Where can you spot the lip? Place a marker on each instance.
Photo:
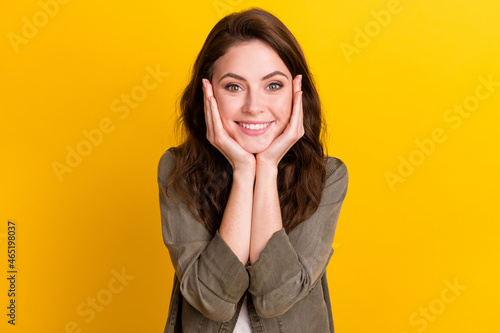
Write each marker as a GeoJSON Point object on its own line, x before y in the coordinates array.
{"type": "Point", "coordinates": [253, 122]}
{"type": "Point", "coordinates": [255, 132]}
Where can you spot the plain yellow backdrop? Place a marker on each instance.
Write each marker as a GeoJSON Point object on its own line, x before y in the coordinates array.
{"type": "Point", "coordinates": [411, 93]}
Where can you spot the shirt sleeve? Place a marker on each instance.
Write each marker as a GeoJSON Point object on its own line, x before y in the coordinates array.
{"type": "Point", "coordinates": [290, 266]}
{"type": "Point", "coordinates": [212, 278]}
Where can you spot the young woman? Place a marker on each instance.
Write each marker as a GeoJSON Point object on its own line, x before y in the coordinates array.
{"type": "Point", "coordinates": [249, 201]}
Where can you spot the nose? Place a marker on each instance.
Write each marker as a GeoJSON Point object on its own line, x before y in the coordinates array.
{"type": "Point", "coordinates": [253, 103]}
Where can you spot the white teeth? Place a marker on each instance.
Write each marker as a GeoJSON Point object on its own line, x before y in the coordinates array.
{"type": "Point", "coordinates": [255, 126]}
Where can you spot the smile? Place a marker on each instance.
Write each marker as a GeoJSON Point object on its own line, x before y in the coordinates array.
{"type": "Point", "coordinates": [254, 126]}
{"type": "Point", "coordinates": [254, 129]}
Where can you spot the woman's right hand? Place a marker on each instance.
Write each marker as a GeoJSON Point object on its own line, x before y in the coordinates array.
{"type": "Point", "coordinates": [218, 137]}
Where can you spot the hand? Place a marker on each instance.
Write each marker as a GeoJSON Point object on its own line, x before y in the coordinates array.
{"type": "Point", "coordinates": [217, 135]}
{"type": "Point", "coordinates": [292, 133]}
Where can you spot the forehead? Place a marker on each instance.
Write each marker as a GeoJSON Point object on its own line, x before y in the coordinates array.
{"type": "Point", "coordinates": [250, 59]}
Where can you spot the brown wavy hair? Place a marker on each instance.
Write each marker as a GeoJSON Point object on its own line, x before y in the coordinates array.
{"type": "Point", "coordinates": [202, 176]}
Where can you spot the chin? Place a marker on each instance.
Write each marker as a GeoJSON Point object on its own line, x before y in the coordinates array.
{"type": "Point", "coordinates": [255, 149]}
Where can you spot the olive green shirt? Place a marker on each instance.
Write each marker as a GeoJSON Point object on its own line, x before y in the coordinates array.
{"type": "Point", "coordinates": [286, 287]}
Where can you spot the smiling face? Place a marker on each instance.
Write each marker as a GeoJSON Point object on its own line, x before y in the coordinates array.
{"type": "Point", "coordinates": [253, 89]}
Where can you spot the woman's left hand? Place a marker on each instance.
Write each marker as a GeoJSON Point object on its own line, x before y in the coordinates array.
{"type": "Point", "coordinates": [292, 133]}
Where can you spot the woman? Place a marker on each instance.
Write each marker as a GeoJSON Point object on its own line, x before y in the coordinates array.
{"type": "Point", "coordinates": [249, 202]}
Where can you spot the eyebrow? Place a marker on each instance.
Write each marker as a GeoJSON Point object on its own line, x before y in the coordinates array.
{"type": "Point", "coordinates": [243, 79]}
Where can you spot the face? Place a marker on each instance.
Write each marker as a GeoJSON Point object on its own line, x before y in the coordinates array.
{"type": "Point", "coordinates": [254, 92]}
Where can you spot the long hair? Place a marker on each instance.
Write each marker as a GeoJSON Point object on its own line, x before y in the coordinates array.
{"type": "Point", "coordinates": [202, 176]}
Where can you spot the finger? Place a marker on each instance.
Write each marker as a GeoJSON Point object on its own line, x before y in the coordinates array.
{"type": "Point", "coordinates": [300, 110]}
{"type": "Point", "coordinates": [297, 83]}
{"type": "Point", "coordinates": [217, 122]}
{"type": "Point", "coordinates": [206, 107]}
{"type": "Point", "coordinates": [208, 113]}
{"type": "Point", "coordinates": [294, 118]}
{"type": "Point", "coordinates": [297, 89]}
{"type": "Point", "coordinates": [301, 118]}
{"type": "Point", "coordinates": [291, 127]}
{"type": "Point", "coordinates": [208, 88]}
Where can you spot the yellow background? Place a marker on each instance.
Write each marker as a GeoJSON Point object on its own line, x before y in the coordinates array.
{"type": "Point", "coordinates": [397, 247]}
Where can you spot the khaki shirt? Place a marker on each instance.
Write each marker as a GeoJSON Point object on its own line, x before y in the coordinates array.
{"type": "Point", "coordinates": [286, 287]}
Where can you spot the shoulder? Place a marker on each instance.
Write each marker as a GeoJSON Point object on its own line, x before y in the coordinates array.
{"type": "Point", "coordinates": [166, 164]}
{"type": "Point", "coordinates": [337, 179]}
{"type": "Point", "coordinates": [334, 165]}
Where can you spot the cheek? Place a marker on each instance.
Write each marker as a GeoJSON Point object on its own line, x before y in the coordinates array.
{"type": "Point", "coordinates": [226, 108]}
{"type": "Point", "coordinates": [283, 106]}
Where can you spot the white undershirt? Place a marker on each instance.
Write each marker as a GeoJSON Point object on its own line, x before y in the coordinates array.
{"type": "Point", "coordinates": [243, 322]}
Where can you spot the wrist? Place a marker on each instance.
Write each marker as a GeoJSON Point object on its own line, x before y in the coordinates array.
{"type": "Point", "coordinates": [266, 168]}
{"type": "Point", "coordinates": [244, 172]}
{"type": "Point", "coordinates": [264, 162]}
